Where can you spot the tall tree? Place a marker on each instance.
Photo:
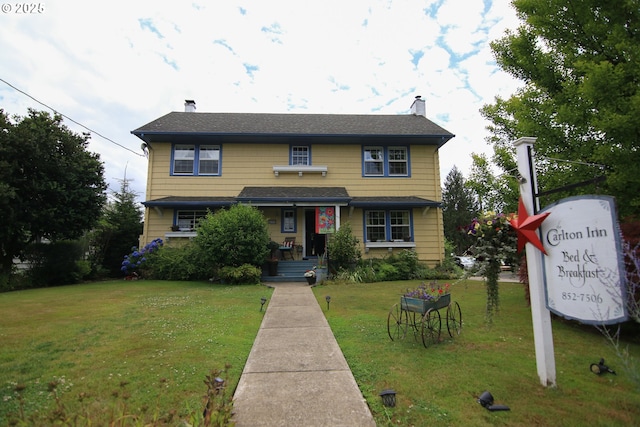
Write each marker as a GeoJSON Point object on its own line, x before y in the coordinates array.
{"type": "Point", "coordinates": [50, 185]}
{"type": "Point", "coordinates": [580, 64]}
{"type": "Point", "coordinates": [117, 232]}
{"type": "Point", "coordinates": [459, 207]}
{"type": "Point", "coordinates": [495, 192]}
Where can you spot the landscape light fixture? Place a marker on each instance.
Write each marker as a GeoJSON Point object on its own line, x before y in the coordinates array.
{"type": "Point", "coordinates": [219, 384]}
{"type": "Point", "coordinates": [262, 301]}
{"type": "Point", "coordinates": [601, 368]}
{"type": "Point", "coordinates": [328, 298]}
{"type": "Point", "coordinates": [486, 400]}
{"type": "Point", "coordinates": [388, 398]}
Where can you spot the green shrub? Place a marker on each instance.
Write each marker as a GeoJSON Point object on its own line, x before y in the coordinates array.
{"type": "Point", "coordinates": [82, 270]}
{"type": "Point", "coordinates": [234, 236]}
{"type": "Point", "coordinates": [55, 263]}
{"type": "Point", "coordinates": [387, 272]}
{"type": "Point", "coordinates": [407, 264]}
{"type": "Point", "coordinates": [184, 262]}
{"type": "Point", "coordinates": [245, 274]}
{"type": "Point", "coordinates": [344, 248]}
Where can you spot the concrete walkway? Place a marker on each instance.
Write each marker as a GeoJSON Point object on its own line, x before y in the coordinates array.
{"type": "Point", "coordinates": [296, 374]}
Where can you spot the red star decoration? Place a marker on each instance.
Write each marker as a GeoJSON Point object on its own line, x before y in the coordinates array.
{"type": "Point", "coordinates": [526, 227]}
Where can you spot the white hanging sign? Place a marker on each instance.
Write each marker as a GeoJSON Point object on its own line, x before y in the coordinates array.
{"type": "Point", "coordinates": [584, 266]}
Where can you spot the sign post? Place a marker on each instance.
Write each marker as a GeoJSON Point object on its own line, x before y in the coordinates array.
{"type": "Point", "coordinates": [540, 315]}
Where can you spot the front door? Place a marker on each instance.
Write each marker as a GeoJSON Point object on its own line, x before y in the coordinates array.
{"type": "Point", "coordinates": [314, 243]}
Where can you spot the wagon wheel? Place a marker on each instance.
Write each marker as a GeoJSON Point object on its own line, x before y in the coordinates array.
{"type": "Point", "coordinates": [454, 319]}
{"type": "Point", "coordinates": [415, 321]}
{"type": "Point", "coordinates": [431, 324]}
{"type": "Point", "coordinates": [397, 323]}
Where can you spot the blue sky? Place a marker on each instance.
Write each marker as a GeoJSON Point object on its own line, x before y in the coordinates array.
{"type": "Point", "coordinates": [114, 66]}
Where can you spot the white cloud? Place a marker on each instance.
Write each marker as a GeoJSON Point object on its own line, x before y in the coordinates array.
{"type": "Point", "coordinates": [115, 66]}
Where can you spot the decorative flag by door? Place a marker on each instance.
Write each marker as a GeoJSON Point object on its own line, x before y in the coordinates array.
{"type": "Point", "coordinates": [325, 220]}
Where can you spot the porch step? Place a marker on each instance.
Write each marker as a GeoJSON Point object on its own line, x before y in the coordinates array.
{"type": "Point", "coordinates": [290, 271]}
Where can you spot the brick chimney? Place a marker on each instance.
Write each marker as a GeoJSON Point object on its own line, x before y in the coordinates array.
{"type": "Point", "coordinates": [189, 106]}
{"type": "Point", "coordinates": [418, 108]}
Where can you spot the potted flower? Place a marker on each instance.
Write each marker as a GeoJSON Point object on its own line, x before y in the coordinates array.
{"type": "Point", "coordinates": [425, 297]}
{"type": "Point", "coordinates": [310, 275]}
{"type": "Point", "coordinates": [496, 242]}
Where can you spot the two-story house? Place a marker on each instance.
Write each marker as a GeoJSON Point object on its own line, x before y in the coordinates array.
{"type": "Point", "coordinates": [308, 173]}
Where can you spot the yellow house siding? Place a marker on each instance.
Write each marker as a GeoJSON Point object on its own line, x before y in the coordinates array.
{"type": "Point", "coordinates": [428, 242]}
{"type": "Point", "coordinates": [252, 165]}
{"type": "Point", "coordinates": [245, 165]}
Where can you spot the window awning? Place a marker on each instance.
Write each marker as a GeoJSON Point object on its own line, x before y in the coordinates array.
{"type": "Point", "coordinates": [295, 195]}
{"type": "Point", "coordinates": [393, 202]}
{"type": "Point", "coordinates": [288, 196]}
{"type": "Point", "coordinates": [192, 202]}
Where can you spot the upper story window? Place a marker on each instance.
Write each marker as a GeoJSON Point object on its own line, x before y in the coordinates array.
{"type": "Point", "coordinates": [191, 159]}
{"type": "Point", "coordinates": [209, 160]}
{"type": "Point", "coordinates": [300, 155]}
{"type": "Point", "coordinates": [385, 161]}
{"type": "Point", "coordinates": [373, 161]}
{"type": "Point", "coordinates": [398, 161]}
{"type": "Point", "coordinates": [183, 156]}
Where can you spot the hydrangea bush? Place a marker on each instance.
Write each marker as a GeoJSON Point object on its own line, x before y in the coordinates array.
{"type": "Point", "coordinates": [133, 262]}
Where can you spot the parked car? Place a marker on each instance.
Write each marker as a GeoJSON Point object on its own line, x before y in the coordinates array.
{"type": "Point", "coordinates": [465, 262]}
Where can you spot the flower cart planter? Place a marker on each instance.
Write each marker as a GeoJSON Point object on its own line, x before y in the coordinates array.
{"type": "Point", "coordinates": [419, 305]}
{"type": "Point", "coordinates": [423, 316]}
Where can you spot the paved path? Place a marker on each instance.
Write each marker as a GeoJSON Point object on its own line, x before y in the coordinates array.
{"type": "Point", "coordinates": [296, 374]}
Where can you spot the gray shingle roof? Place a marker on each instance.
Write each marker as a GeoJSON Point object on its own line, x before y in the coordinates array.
{"type": "Point", "coordinates": [227, 125]}
{"type": "Point", "coordinates": [293, 194]}
{"type": "Point", "coordinates": [260, 195]}
{"type": "Point", "coordinates": [398, 201]}
{"type": "Point", "coordinates": [184, 201]}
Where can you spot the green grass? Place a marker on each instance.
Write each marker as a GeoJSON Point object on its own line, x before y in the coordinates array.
{"type": "Point", "coordinates": [162, 338]}
{"type": "Point", "coordinates": [145, 344]}
{"type": "Point", "coordinates": [439, 385]}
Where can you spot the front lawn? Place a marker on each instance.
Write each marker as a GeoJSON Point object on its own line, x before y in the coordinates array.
{"type": "Point", "coordinates": [440, 385]}
{"type": "Point", "coordinates": [122, 348]}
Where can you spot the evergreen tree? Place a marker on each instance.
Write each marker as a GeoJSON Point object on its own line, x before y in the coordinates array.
{"type": "Point", "coordinates": [459, 207]}
{"type": "Point", "coordinates": [117, 232]}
